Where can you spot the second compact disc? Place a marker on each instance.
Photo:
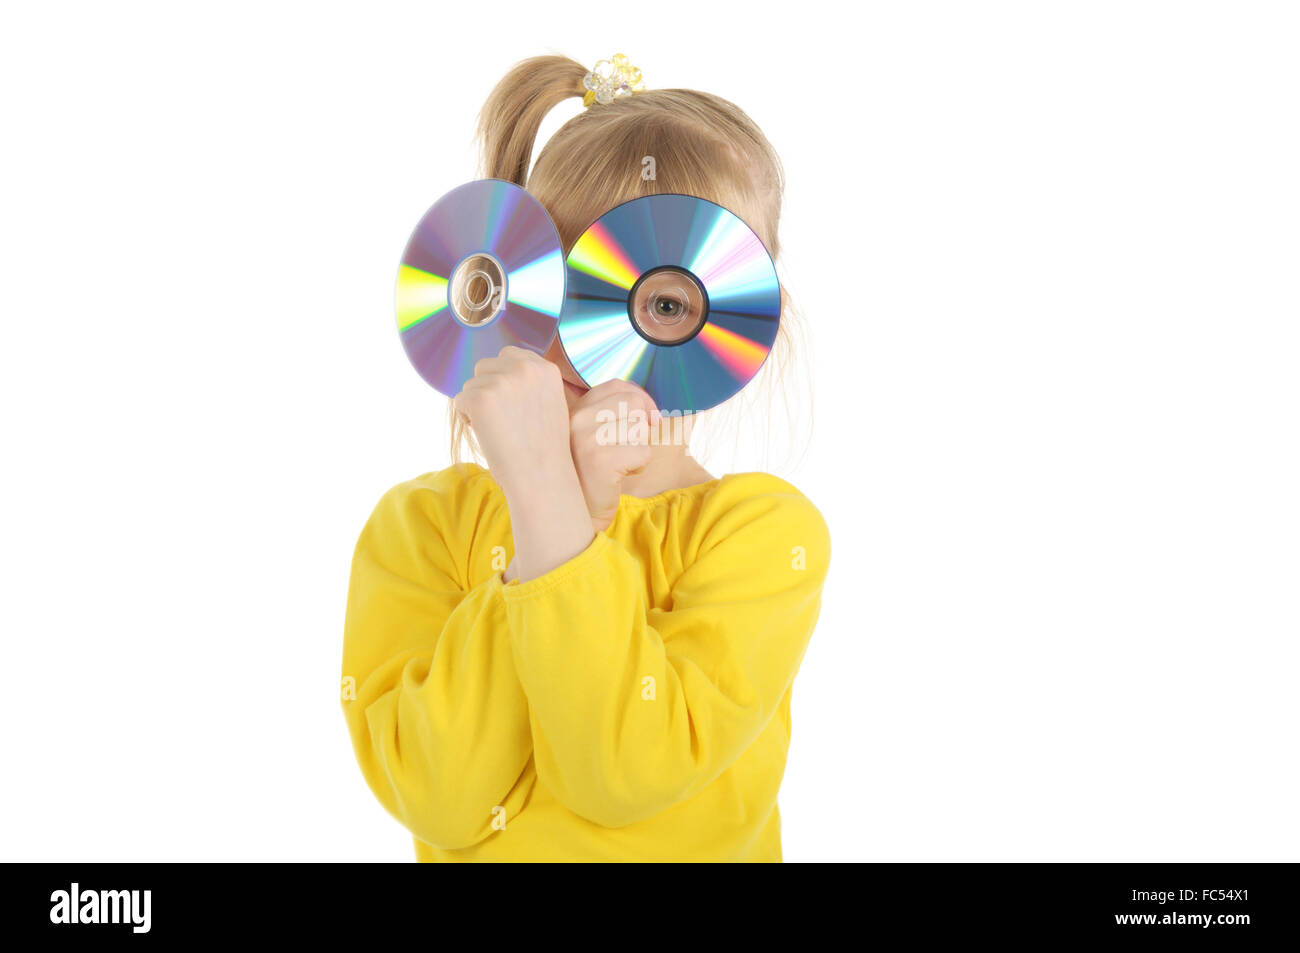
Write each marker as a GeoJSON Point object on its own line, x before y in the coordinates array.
{"type": "Point", "coordinates": [673, 293]}
{"type": "Point", "coordinates": [484, 268]}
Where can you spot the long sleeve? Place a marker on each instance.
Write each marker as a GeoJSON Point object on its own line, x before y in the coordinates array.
{"type": "Point", "coordinates": [635, 709]}
{"type": "Point", "coordinates": [439, 722]}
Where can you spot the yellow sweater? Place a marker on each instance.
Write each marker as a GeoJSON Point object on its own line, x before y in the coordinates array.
{"type": "Point", "coordinates": [631, 704]}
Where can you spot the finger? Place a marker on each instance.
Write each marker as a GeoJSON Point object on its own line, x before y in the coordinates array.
{"type": "Point", "coordinates": [628, 457]}
{"type": "Point", "coordinates": [610, 393]}
{"type": "Point", "coordinates": [615, 461]}
{"type": "Point", "coordinates": [512, 352]}
{"type": "Point", "coordinates": [615, 409]}
{"type": "Point", "coordinates": [635, 430]}
{"type": "Point", "coordinates": [481, 381]}
{"type": "Point", "coordinates": [616, 386]}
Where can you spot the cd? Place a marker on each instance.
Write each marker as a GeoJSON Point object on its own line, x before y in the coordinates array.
{"type": "Point", "coordinates": [675, 294]}
{"type": "Point", "coordinates": [484, 268]}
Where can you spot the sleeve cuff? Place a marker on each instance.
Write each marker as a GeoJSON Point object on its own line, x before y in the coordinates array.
{"type": "Point", "coordinates": [516, 591]}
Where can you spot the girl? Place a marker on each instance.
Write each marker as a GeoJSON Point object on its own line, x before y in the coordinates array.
{"type": "Point", "coordinates": [586, 650]}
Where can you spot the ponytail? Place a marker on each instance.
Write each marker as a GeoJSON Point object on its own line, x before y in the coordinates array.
{"type": "Point", "coordinates": [508, 124]}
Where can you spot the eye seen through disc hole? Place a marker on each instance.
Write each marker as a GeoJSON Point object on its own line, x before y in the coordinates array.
{"type": "Point", "coordinates": [668, 305]}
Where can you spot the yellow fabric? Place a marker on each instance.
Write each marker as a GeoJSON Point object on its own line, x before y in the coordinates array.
{"type": "Point", "coordinates": [631, 704]}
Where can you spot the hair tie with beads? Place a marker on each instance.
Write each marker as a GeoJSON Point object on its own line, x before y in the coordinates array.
{"type": "Point", "coordinates": [610, 80]}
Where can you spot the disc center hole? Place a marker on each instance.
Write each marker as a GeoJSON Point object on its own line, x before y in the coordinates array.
{"type": "Point", "coordinates": [478, 290]}
{"type": "Point", "coordinates": [668, 305]}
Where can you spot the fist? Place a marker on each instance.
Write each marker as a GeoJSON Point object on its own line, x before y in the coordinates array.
{"type": "Point", "coordinates": [609, 437]}
{"type": "Point", "coordinates": [515, 403]}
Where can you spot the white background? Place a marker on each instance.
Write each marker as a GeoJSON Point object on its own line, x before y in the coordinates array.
{"type": "Point", "coordinates": [1048, 257]}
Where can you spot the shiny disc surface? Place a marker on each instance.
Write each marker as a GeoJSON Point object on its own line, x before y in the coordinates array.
{"type": "Point", "coordinates": [679, 233]}
{"type": "Point", "coordinates": [491, 221]}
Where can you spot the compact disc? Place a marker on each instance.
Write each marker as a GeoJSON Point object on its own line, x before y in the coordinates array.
{"type": "Point", "coordinates": [675, 294]}
{"type": "Point", "coordinates": [484, 268]}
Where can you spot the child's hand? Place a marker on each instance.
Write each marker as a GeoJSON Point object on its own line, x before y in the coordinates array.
{"type": "Point", "coordinates": [515, 403]}
{"type": "Point", "coordinates": [609, 437]}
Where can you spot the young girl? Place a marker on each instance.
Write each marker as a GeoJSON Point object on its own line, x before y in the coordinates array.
{"type": "Point", "coordinates": [585, 651]}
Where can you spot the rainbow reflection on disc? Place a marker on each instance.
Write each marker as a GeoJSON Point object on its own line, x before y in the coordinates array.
{"type": "Point", "coordinates": [678, 235]}
{"type": "Point", "coordinates": [484, 268]}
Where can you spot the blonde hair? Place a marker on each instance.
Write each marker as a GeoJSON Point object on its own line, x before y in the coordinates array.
{"type": "Point", "coordinates": [700, 144]}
